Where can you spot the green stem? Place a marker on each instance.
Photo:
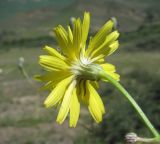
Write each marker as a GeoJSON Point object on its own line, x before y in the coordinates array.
{"type": "Point", "coordinates": [104, 76]}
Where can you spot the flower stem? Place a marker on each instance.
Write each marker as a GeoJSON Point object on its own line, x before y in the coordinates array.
{"type": "Point", "coordinates": [105, 77]}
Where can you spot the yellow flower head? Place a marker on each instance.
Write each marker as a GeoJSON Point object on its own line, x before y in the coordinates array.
{"type": "Point", "coordinates": [72, 71]}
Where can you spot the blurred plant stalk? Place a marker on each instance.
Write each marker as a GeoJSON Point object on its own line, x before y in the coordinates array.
{"type": "Point", "coordinates": [24, 73]}
{"type": "Point", "coordinates": [31, 83]}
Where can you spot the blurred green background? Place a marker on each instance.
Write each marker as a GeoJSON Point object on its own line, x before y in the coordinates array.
{"type": "Point", "coordinates": [26, 26]}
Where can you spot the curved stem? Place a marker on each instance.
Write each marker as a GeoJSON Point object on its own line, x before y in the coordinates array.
{"type": "Point", "coordinates": [104, 76]}
{"type": "Point", "coordinates": [146, 140]}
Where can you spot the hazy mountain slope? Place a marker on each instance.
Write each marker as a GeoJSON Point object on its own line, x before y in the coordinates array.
{"type": "Point", "coordinates": [33, 20]}
{"type": "Point", "coordinates": [36, 13]}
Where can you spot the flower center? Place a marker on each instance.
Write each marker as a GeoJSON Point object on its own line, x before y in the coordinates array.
{"type": "Point", "coordinates": [84, 61]}
{"type": "Point", "coordinates": [85, 69]}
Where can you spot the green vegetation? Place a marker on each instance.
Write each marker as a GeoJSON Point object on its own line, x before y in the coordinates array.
{"type": "Point", "coordinates": [146, 37]}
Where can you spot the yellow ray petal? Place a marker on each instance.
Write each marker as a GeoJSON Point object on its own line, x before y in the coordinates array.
{"type": "Point", "coordinates": [71, 49]}
{"type": "Point", "coordinates": [64, 109]}
{"type": "Point", "coordinates": [110, 70]}
{"type": "Point", "coordinates": [70, 34]}
{"type": "Point", "coordinates": [95, 104]}
{"type": "Point", "coordinates": [99, 59]}
{"type": "Point", "coordinates": [48, 86]}
{"type": "Point", "coordinates": [77, 36]}
{"type": "Point", "coordinates": [81, 91]}
{"type": "Point", "coordinates": [105, 45]}
{"type": "Point", "coordinates": [96, 114]}
{"type": "Point", "coordinates": [94, 84]}
{"type": "Point", "coordinates": [74, 109]}
{"type": "Point", "coordinates": [62, 38]}
{"type": "Point", "coordinates": [57, 93]}
{"type": "Point", "coordinates": [85, 28]}
{"type": "Point", "coordinates": [112, 48]}
{"type": "Point", "coordinates": [99, 38]}
{"type": "Point", "coordinates": [108, 67]}
{"type": "Point", "coordinates": [53, 76]}
{"type": "Point", "coordinates": [52, 63]}
{"type": "Point", "coordinates": [115, 76]}
{"type": "Point", "coordinates": [96, 97]}
{"type": "Point", "coordinates": [54, 52]}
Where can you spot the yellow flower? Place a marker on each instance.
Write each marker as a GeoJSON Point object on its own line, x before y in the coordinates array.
{"type": "Point", "coordinates": [72, 70]}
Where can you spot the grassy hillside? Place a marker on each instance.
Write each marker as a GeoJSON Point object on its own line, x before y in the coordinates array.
{"type": "Point", "coordinates": [24, 120]}
{"type": "Point", "coordinates": [26, 26]}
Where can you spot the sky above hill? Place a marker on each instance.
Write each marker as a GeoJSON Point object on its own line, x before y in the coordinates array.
{"type": "Point", "coordinates": [11, 7]}
{"type": "Point", "coordinates": [40, 14]}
